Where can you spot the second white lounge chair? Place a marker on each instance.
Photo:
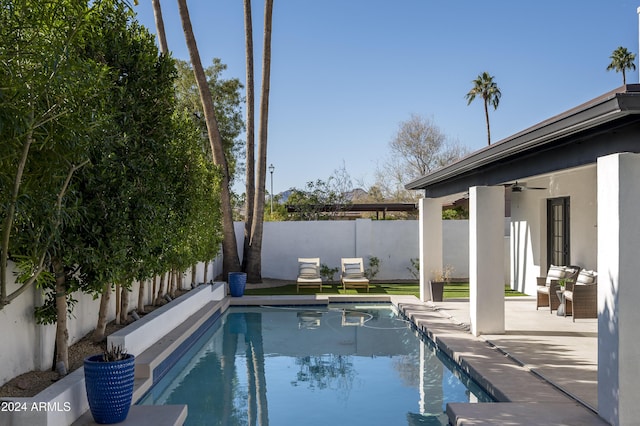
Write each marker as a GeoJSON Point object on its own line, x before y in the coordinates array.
{"type": "Point", "coordinates": [352, 273]}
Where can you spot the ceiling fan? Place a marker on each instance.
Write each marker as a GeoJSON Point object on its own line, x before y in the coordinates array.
{"type": "Point", "coordinates": [516, 187]}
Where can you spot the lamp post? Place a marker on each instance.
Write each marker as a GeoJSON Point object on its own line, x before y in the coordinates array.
{"type": "Point", "coordinates": [271, 169]}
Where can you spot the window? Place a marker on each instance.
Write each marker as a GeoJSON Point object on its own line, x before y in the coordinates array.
{"type": "Point", "coordinates": [558, 249]}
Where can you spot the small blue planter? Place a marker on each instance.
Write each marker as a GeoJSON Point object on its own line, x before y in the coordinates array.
{"type": "Point", "coordinates": [237, 283]}
{"type": "Point", "coordinates": [109, 388]}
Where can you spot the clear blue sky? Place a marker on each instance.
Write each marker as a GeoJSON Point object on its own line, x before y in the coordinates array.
{"type": "Point", "coordinates": [345, 73]}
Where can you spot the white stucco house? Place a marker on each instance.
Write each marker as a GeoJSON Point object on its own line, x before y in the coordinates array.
{"type": "Point", "coordinates": [573, 184]}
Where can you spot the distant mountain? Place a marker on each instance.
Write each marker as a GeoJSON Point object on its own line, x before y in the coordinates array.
{"type": "Point", "coordinates": [356, 195]}
{"type": "Point", "coordinates": [284, 196]}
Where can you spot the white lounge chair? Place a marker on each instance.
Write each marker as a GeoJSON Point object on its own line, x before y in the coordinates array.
{"type": "Point", "coordinates": [352, 273]}
{"type": "Point", "coordinates": [309, 273]}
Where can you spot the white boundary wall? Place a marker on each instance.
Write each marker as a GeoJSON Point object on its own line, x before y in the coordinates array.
{"type": "Point", "coordinates": [394, 242]}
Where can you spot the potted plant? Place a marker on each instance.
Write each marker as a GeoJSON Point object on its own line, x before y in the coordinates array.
{"type": "Point", "coordinates": [109, 381]}
{"type": "Point", "coordinates": [237, 282]}
{"type": "Point", "coordinates": [440, 278]}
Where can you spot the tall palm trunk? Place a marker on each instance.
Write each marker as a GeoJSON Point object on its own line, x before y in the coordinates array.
{"type": "Point", "coordinates": [250, 147]}
{"type": "Point", "coordinates": [230, 261]}
{"type": "Point", "coordinates": [162, 37]}
{"type": "Point", "coordinates": [254, 265]}
{"type": "Point", "coordinates": [486, 116]}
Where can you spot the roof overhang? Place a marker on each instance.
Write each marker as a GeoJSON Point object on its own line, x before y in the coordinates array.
{"type": "Point", "coordinates": [574, 138]}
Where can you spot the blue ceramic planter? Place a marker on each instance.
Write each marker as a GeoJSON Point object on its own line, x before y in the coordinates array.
{"type": "Point", "coordinates": [237, 283]}
{"type": "Point", "coordinates": [109, 388]}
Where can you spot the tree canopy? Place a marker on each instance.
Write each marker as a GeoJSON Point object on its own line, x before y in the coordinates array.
{"type": "Point", "coordinates": [418, 148]}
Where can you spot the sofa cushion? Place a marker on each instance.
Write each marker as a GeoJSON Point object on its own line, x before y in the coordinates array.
{"type": "Point", "coordinates": [555, 273]}
{"type": "Point", "coordinates": [586, 277]}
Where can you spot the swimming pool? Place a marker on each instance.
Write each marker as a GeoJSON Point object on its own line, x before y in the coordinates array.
{"type": "Point", "coordinates": [338, 364]}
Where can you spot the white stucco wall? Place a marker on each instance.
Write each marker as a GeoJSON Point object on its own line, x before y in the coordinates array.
{"type": "Point", "coordinates": [395, 243]}
{"type": "Point", "coordinates": [618, 290]}
{"type": "Point", "coordinates": [32, 345]}
{"type": "Point", "coordinates": [528, 256]}
{"type": "Point", "coordinates": [17, 326]}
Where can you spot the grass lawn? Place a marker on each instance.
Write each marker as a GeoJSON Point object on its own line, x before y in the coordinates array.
{"type": "Point", "coordinates": [451, 291]}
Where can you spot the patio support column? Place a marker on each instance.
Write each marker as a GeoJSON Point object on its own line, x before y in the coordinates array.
{"type": "Point", "coordinates": [430, 230]}
{"type": "Point", "coordinates": [618, 288]}
{"type": "Point", "coordinates": [486, 259]}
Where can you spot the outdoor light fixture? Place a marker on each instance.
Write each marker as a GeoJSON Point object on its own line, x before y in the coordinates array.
{"type": "Point", "coordinates": [271, 169]}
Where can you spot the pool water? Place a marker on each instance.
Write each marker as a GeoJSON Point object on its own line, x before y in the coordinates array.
{"type": "Point", "coordinates": [335, 365]}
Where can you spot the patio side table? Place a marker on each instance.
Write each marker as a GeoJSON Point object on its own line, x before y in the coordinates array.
{"type": "Point", "coordinates": [561, 307]}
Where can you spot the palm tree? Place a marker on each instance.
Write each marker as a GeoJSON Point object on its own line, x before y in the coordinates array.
{"type": "Point", "coordinates": [254, 262]}
{"type": "Point", "coordinates": [485, 87]}
{"type": "Point", "coordinates": [250, 145]}
{"type": "Point", "coordinates": [621, 60]}
{"type": "Point", "coordinates": [230, 259]}
{"type": "Point", "coordinates": [162, 37]}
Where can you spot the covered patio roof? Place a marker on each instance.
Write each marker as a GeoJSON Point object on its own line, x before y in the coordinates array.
{"type": "Point", "coordinates": [574, 138]}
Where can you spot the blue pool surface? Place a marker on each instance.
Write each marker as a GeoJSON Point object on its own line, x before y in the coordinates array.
{"type": "Point", "coordinates": [342, 364]}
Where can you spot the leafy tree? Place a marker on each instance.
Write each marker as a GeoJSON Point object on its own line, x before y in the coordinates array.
{"type": "Point", "coordinates": [102, 181]}
{"type": "Point", "coordinates": [320, 200]}
{"type": "Point", "coordinates": [50, 110]}
{"type": "Point", "coordinates": [227, 101]}
{"type": "Point", "coordinates": [418, 148]}
{"type": "Point", "coordinates": [487, 89]}
{"type": "Point", "coordinates": [622, 60]}
{"type": "Point", "coordinates": [455, 213]}
{"type": "Point", "coordinates": [145, 191]}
